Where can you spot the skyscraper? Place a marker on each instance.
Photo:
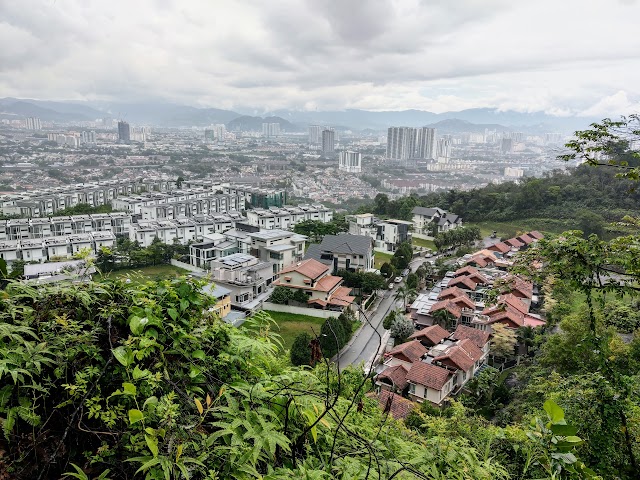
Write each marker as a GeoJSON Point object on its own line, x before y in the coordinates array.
{"type": "Point", "coordinates": [124, 132]}
{"type": "Point", "coordinates": [270, 129]}
{"type": "Point", "coordinates": [350, 162]}
{"type": "Point", "coordinates": [444, 149]}
{"type": "Point", "coordinates": [401, 143]}
{"type": "Point", "coordinates": [88, 137]}
{"type": "Point", "coordinates": [426, 143]}
{"type": "Point", "coordinates": [315, 134]}
{"type": "Point", "coordinates": [33, 123]}
{"type": "Point", "coordinates": [328, 141]}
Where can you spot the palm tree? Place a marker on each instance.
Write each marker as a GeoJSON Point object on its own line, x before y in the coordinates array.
{"type": "Point", "coordinates": [405, 294]}
{"type": "Point", "coordinates": [444, 318]}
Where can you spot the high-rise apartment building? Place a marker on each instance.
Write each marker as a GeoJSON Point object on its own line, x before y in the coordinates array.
{"type": "Point", "coordinates": [350, 162]}
{"type": "Point", "coordinates": [209, 135]}
{"type": "Point", "coordinates": [124, 132]}
{"type": "Point", "coordinates": [33, 123]}
{"type": "Point", "coordinates": [426, 143]}
{"type": "Point", "coordinates": [88, 137]}
{"type": "Point", "coordinates": [444, 149]}
{"type": "Point", "coordinates": [401, 143]}
{"type": "Point", "coordinates": [315, 134]}
{"type": "Point", "coordinates": [328, 141]}
{"type": "Point", "coordinates": [270, 129]}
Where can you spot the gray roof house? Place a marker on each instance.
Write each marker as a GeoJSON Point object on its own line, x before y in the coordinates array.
{"type": "Point", "coordinates": [344, 252]}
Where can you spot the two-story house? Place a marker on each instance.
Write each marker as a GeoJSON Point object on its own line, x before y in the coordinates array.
{"type": "Point", "coordinates": [344, 252]}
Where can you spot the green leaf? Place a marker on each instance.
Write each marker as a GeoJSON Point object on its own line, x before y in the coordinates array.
{"type": "Point", "coordinates": [173, 313]}
{"type": "Point", "coordinates": [152, 443]}
{"type": "Point", "coordinates": [563, 430]}
{"type": "Point", "coordinates": [556, 414]}
{"type": "Point", "coordinates": [184, 304]}
{"type": "Point", "coordinates": [150, 401]}
{"type": "Point", "coordinates": [135, 416]}
{"type": "Point", "coordinates": [124, 355]}
{"type": "Point", "coordinates": [137, 324]}
{"type": "Point", "coordinates": [5, 394]}
{"type": "Point", "coordinates": [138, 374]}
{"type": "Point", "coordinates": [199, 354]}
{"type": "Point", "coordinates": [129, 388]}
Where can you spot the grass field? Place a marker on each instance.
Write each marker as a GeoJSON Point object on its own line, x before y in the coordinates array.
{"type": "Point", "coordinates": [145, 274]}
{"type": "Point", "coordinates": [292, 324]}
{"type": "Point", "coordinates": [381, 258]}
{"type": "Point", "coordinates": [421, 242]}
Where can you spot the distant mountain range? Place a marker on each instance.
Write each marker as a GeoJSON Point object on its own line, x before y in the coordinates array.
{"type": "Point", "coordinates": [172, 115]}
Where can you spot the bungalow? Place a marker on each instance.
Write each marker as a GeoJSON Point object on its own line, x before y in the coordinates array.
{"type": "Point", "coordinates": [429, 382]}
{"type": "Point", "coordinates": [479, 337]}
{"type": "Point", "coordinates": [424, 220]}
{"type": "Point", "coordinates": [430, 336]}
{"type": "Point", "coordinates": [405, 354]}
{"type": "Point", "coordinates": [322, 289]}
{"type": "Point", "coordinates": [462, 358]}
{"type": "Point", "coordinates": [348, 252]}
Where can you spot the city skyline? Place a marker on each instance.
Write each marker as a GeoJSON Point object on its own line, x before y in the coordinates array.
{"type": "Point", "coordinates": [311, 56]}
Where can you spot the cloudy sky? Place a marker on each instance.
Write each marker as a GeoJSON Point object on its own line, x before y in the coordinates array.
{"type": "Point", "coordinates": [565, 57]}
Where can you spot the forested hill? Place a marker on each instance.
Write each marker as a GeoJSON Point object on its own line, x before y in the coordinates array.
{"type": "Point", "coordinates": [559, 195]}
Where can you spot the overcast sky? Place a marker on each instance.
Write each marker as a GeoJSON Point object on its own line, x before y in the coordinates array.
{"type": "Point", "coordinates": [566, 57]}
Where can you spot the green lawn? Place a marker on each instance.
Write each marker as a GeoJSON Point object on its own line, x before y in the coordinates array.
{"type": "Point", "coordinates": [381, 258]}
{"type": "Point", "coordinates": [292, 324]}
{"type": "Point", "coordinates": [421, 242]}
{"type": "Point", "coordinates": [145, 274]}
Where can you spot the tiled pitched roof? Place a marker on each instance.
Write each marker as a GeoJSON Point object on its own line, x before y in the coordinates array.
{"type": "Point", "coordinates": [464, 301]}
{"type": "Point", "coordinates": [341, 297]}
{"type": "Point", "coordinates": [396, 376]}
{"type": "Point", "coordinates": [500, 247]}
{"type": "Point", "coordinates": [478, 337]}
{"type": "Point", "coordinates": [449, 293]}
{"type": "Point", "coordinates": [399, 407]}
{"type": "Point", "coordinates": [457, 356]}
{"type": "Point", "coordinates": [536, 234]}
{"type": "Point", "coordinates": [448, 305]}
{"type": "Point", "coordinates": [411, 351]}
{"type": "Point", "coordinates": [435, 334]}
{"type": "Point", "coordinates": [309, 268]}
{"type": "Point", "coordinates": [481, 260]}
{"type": "Point", "coordinates": [471, 349]}
{"type": "Point", "coordinates": [466, 270]}
{"type": "Point", "coordinates": [463, 280]}
{"type": "Point", "coordinates": [505, 315]}
{"type": "Point", "coordinates": [514, 302]}
{"type": "Point", "coordinates": [346, 243]}
{"type": "Point", "coordinates": [526, 239]}
{"type": "Point", "coordinates": [428, 212]}
{"type": "Point", "coordinates": [514, 242]}
{"type": "Point", "coordinates": [326, 284]}
{"type": "Point", "coordinates": [428, 375]}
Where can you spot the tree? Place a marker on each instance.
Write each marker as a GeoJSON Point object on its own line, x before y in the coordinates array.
{"type": "Point", "coordinates": [412, 281]}
{"type": "Point", "coordinates": [179, 181]}
{"type": "Point", "coordinates": [105, 259]}
{"type": "Point", "coordinates": [388, 320]}
{"type": "Point", "coordinates": [332, 336]}
{"type": "Point", "coordinates": [591, 223]}
{"type": "Point", "coordinates": [401, 328]}
{"type": "Point", "coordinates": [386, 270]}
{"type": "Point", "coordinates": [300, 353]}
{"type": "Point", "coordinates": [405, 294]}
{"type": "Point", "coordinates": [503, 341]}
{"type": "Point", "coordinates": [280, 295]}
{"type": "Point", "coordinates": [402, 256]}
{"type": "Point", "coordinates": [444, 318]}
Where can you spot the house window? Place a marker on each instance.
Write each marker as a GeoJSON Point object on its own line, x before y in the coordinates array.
{"type": "Point", "coordinates": [412, 389]}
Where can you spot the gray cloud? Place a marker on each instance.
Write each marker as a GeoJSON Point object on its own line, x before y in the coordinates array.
{"type": "Point", "coordinates": [573, 56]}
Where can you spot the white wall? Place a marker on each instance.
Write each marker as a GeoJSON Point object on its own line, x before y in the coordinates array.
{"type": "Point", "coordinates": [312, 312]}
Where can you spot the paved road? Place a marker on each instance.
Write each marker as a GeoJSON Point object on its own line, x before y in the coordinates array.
{"type": "Point", "coordinates": [365, 345]}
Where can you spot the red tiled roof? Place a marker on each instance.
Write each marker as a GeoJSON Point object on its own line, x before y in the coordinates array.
{"type": "Point", "coordinates": [464, 301]}
{"type": "Point", "coordinates": [500, 247]}
{"type": "Point", "coordinates": [457, 356]}
{"type": "Point", "coordinates": [397, 376]}
{"type": "Point", "coordinates": [514, 302]}
{"type": "Point", "coordinates": [430, 376]}
{"type": "Point", "coordinates": [533, 322]}
{"type": "Point", "coordinates": [411, 351]}
{"type": "Point", "coordinates": [466, 270]}
{"type": "Point", "coordinates": [463, 280]}
{"type": "Point", "coordinates": [309, 268]}
{"type": "Point", "coordinates": [328, 283]}
{"type": "Point", "coordinates": [536, 234]}
{"type": "Point", "coordinates": [471, 349]}
{"type": "Point", "coordinates": [481, 260]}
{"type": "Point", "coordinates": [399, 407]}
{"type": "Point", "coordinates": [341, 297]}
{"type": "Point", "coordinates": [514, 242]}
{"type": "Point", "coordinates": [502, 314]}
{"type": "Point", "coordinates": [448, 305]}
{"type": "Point", "coordinates": [526, 239]}
{"type": "Point", "coordinates": [435, 334]}
{"type": "Point", "coordinates": [478, 337]}
{"type": "Point", "coordinates": [449, 293]}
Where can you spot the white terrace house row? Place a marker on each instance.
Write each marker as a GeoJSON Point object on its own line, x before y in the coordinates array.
{"type": "Point", "coordinates": [287, 217]}
{"type": "Point", "coordinates": [54, 248]}
{"type": "Point", "coordinates": [179, 203]}
{"type": "Point", "coordinates": [33, 228]}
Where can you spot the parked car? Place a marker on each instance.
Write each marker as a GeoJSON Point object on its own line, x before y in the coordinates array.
{"type": "Point", "coordinates": [397, 279]}
{"type": "Point", "coordinates": [406, 272]}
{"type": "Point", "coordinates": [391, 285]}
